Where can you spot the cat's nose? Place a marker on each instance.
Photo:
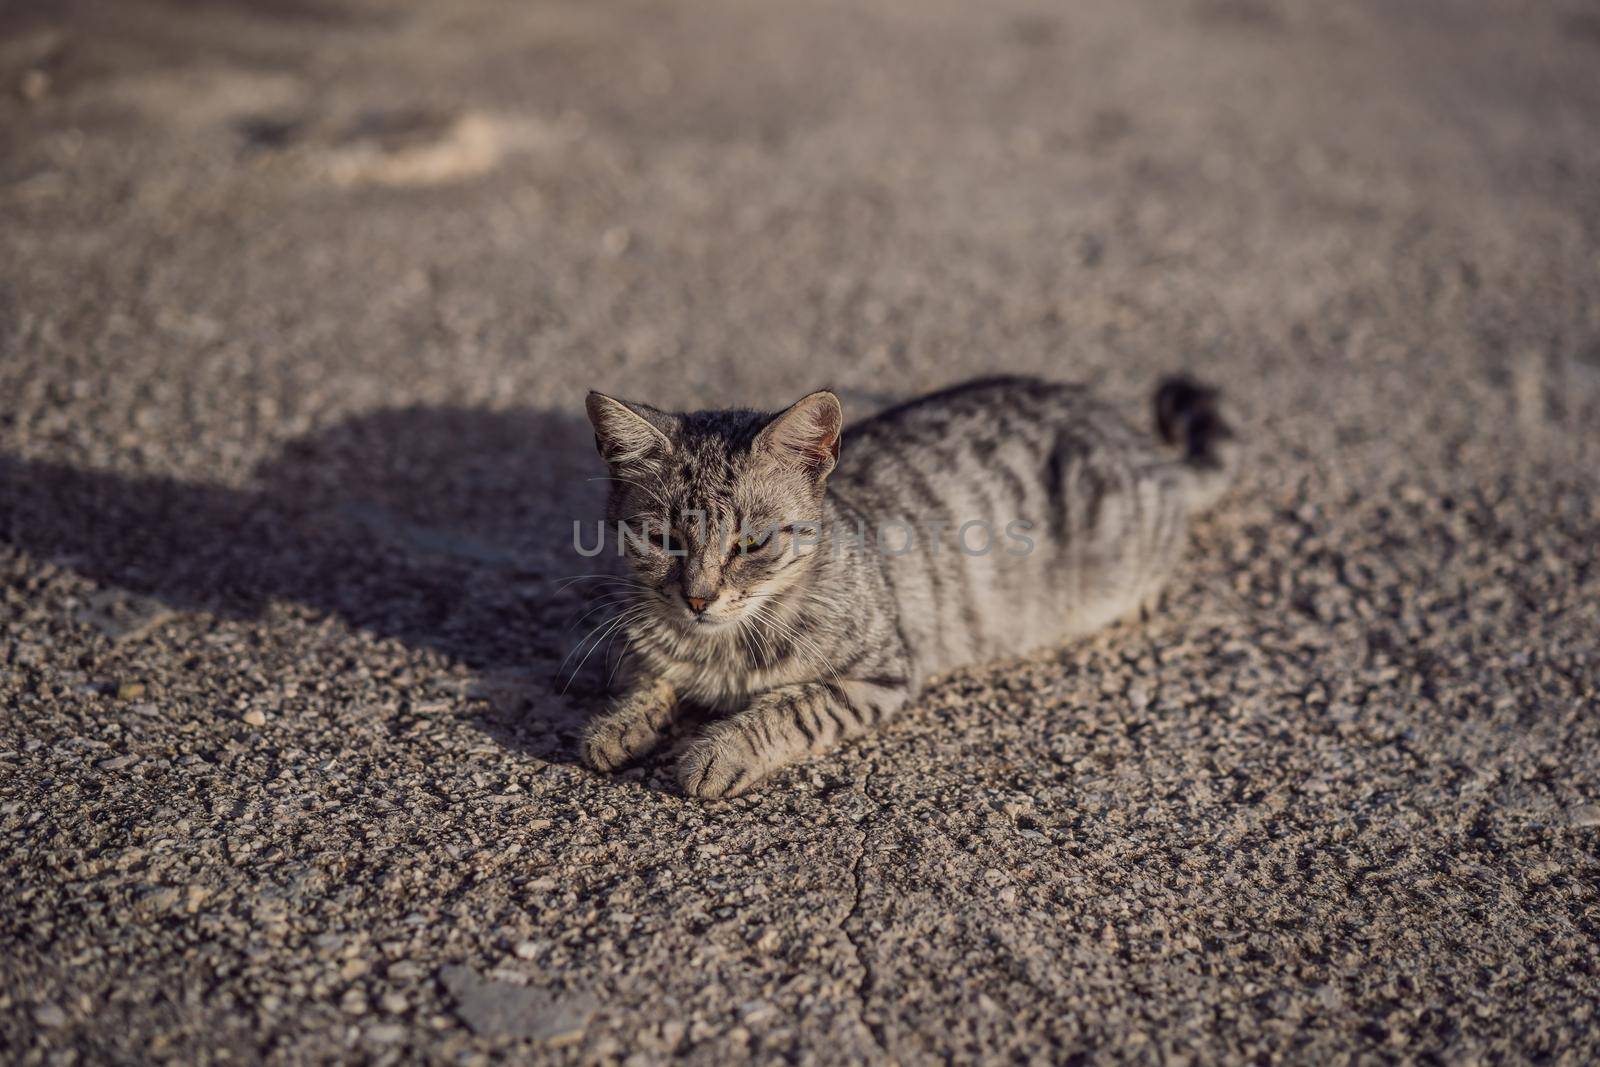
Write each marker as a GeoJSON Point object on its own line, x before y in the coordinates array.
{"type": "Point", "coordinates": [697, 604]}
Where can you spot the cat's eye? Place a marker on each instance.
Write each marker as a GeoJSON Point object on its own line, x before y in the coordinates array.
{"type": "Point", "coordinates": [753, 542]}
{"type": "Point", "coordinates": [652, 536]}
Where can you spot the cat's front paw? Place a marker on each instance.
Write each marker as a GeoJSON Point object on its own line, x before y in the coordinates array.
{"type": "Point", "coordinates": [613, 741]}
{"type": "Point", "coordinates": [709, 770]}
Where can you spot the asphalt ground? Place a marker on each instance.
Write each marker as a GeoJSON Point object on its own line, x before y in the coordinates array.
{"type": "Point", "coordinates": [298, 304]}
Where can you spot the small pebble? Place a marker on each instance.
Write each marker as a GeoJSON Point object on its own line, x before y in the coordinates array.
{"type": "Point", "coordinates": [386, 1034]}
{"type": "Point", "coordinates": [35, 85]}
{"type": "Point", "coordinates": [1585, 815]}
{"type": "Point", "coordinates": [615, 241]}
{"type": "Point", "coordinates": [160, 898]}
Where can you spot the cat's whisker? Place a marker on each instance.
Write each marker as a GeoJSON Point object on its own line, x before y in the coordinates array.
{"type": "Point", "coordinates": [811, 650]}
{"type": "Point", "coordinates": [610, 626]}
{"type": "Point", "coordinates": [761, 638]}
{"type": "Point", "coordinates": [637, 485]}
{"type": "Point", "coordinates": [612, 601]}
{"type": "Point", "coordinates": [744, 637]}
{"type": "Point", "coordinates": [621, 656]}
{"type": "Point", "coordinates": [607, 596]}
{"type": "Point", "coordinates": [573, 579]}
{"type": "Point", "coordinates": [580, 643]}
{"type": "Point", "coordinates": [602, 625]}
{"type": "Point", "coordinates": [805, 644]}
{"type": "Point", "coordinates": [588, 593]}
{"type": "Point", "coordinates": [615, 666]}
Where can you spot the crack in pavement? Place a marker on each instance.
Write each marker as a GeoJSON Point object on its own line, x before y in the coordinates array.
{"type": "Point", "coordinates": [868, 979]}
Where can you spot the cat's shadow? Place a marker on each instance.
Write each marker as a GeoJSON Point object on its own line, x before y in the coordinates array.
{"type": "Point", "coordinates": [448, 529]}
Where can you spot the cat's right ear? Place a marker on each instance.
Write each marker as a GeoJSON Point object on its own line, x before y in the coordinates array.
{"type": "Point", "coordinates": [628, 433]}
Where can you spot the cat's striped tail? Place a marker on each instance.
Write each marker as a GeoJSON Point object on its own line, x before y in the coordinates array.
{"type": "Point", "coordinates": [1187, 416]}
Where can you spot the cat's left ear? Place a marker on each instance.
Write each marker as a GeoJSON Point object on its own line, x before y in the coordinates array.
{"type": "Point", "coordinates": [806, 434]}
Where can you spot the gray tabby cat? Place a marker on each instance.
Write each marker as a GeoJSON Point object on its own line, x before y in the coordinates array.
{"type": "Point", "coordinates": [810, 597]}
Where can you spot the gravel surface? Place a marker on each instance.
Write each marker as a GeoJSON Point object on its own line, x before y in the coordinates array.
{"type": "Point", "coordinates": [298, 302]}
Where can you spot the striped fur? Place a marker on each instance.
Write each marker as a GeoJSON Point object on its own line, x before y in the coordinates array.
{"type": "Point", "coordinates": [824, 631]}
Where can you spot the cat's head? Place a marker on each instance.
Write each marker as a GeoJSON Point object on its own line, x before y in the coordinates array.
{"type": "Point", "coordinates": [718, 510]}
